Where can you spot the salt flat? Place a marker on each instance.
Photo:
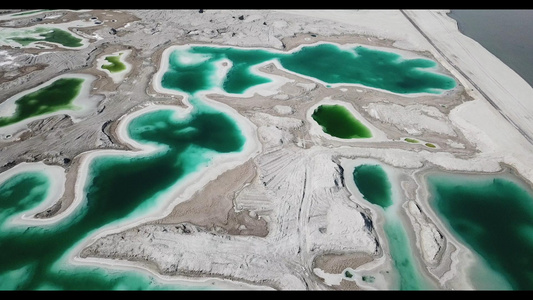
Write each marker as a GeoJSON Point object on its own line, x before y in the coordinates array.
{"type": "Point", "coordinates": [283, 213]}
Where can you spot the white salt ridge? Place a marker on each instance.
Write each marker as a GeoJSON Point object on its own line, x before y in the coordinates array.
{"type": "Point", "coordinates": [283, 109]}
{"type": "Point", "coordinates": [414, 119]}
{"type": "Point", "coordinates": [6, 59]}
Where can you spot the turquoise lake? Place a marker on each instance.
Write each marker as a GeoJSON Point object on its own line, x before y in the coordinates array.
{"type": "Point", "coordinates": [493, 215]}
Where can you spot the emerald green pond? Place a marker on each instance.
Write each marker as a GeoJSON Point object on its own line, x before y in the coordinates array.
{"type": "Point", "coordinates": [338, 121]}
{"type": "Point", "coordinates": [374, 184]}
{"type": "Point", "coordinates": [57, 96]}
{"type": "Point", "coordinates": [191, 68]}
{"type": "Point", "coordinates": [45, 34]}
{"type": "Point", "coordinates": [494, 217]}
{"type": "Point", "coordinates": [114, 64]}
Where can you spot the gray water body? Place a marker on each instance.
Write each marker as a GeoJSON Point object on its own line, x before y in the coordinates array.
{"type": "Point", "coordinates": [506, 33]}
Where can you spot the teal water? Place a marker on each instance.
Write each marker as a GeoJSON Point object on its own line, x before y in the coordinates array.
{"type": "Point", "coordinates": [126, 186]}
{"type": "Point", "coordinates": [401, 252]}
{"type": "Point", "coordinates": [368, 67]}
{"type": "Point", "coordinates": [374, 184]}
{"type": "Point", "coordinates": [47, 34]}
{"type": "Point", "coordinates": [22, 192]}
{"type": "Point", "coordinates": [191, 69]}
{"type": "Point", "coordinates": [494, 217]}
{"type": "Point", "coordinates": [198, 74]}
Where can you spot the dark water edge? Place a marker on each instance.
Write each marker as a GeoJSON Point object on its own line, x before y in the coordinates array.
{"type": "Point", "coordinates": [506, 33]}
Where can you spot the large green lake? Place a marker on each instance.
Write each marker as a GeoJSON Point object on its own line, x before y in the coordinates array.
{"type": "Point", "coordinates": [27, 36]}
{"type": "Point", "coordinates": [57, 96]}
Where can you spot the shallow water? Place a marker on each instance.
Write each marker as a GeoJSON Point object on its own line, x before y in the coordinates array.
{"type": "Point", "coordinates": [402, 254]}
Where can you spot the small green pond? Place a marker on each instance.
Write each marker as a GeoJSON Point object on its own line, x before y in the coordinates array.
{"type": "Point", "coordinates": [338, 121]}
